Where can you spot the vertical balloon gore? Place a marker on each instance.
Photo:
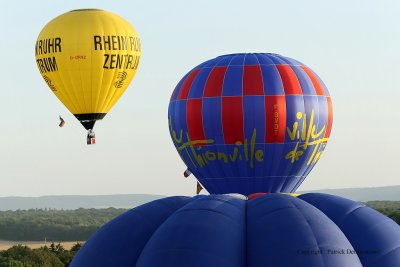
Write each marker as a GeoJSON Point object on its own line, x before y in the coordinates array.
{"type": "Point", "coordinates": [248, 123]}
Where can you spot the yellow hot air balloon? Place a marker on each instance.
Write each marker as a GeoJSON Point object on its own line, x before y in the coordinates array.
{"type": "Point", "coordinates": [88, 57]}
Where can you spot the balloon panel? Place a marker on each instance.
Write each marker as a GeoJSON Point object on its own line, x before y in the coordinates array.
{"type": "Point", "coordinates": [311, 230]}
{"type": "Point", "coordinates": [127, 227]}
{"type": "Point", "coordinates": [247, 123]}
{"type": "Point", "coordinates": [375, 237]}
{"type": "Point", "coordinates": [88, 58]}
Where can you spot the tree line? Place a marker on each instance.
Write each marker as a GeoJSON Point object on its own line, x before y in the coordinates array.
{"type": "Point", "coordinates": [53, 225]}
{"type": "Point", "coordinates": [80, 224]}
{"type": "Point", "coordinates": [389, 208]}
{"type": "Point", "coordinates": [47, 256]}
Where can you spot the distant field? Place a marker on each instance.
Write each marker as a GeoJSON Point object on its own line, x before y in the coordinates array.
{"type": "Point", "coordinates": [4, 245]}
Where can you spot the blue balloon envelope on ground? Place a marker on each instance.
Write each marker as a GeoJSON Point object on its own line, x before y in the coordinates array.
{"type": "Point", "coordinates": [248, 123]}
{"type": "Point", "coordinates": [311, 230]}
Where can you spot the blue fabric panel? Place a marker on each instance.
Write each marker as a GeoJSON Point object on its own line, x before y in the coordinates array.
{"type": "Point", "coordinates": [294, 105]}
{"type": "Point", "coordinates": [274, 159]}
{"type": "Point", "coordinates": [291, 158]}
{"type": "Point", "coordinates": [236, 184]}
{"type": "Point", "coordinates": [212, 120]}
{"type": "Point", "coordinates": [209, 64]}
{"type": "Point", "coordinates": [287, 167]}
{"type": "Point", "coordinates": [175, 108]}
{"type": "Point", "coordinates": [251, 59]}
{"type": "Point", "coordinates": [322, 112]}
{"type": "Point", "coordinates": [286, 231]}
{"type": "Point", "coordinates": [171, 116]}
{"type": "Point", "coordinates": [260, 170]}
{"type": "Point", "coordinates": [254, 118]}
{"type": "Point", "coordinates": [236, 161]}
{"type": "Point", "coordinates": [290, 183]}
{"type": "Point", "coordinates": [292, 61]}
{"type": "Point", "coordinates": [207, 232]}
{"type": "Point", "coordinates": [222, 61]}
{"type": "Point", "coordinates": [272, 80]}
{"type": "Point", "coordinates": [226, 166]}
{"type": "Point", "coordinates": [320, 121]}
{"type": "Point", "coordinates": [373, 235]}
{"type": "Point", "coordinates": [233, 81]}
{"type": "Point", "coordinates": [310, 104]}
{"type": "Point", "coordinates": [212, 184]}
{"type": "Point", "coordinates": [277, 59]}
{"type": "Point", "coordinates": [305, 82]}
{"type": "Point", "coordinates": [264, 59]}
{"type": "Point", "coordinates": [285, 60]}
{"type": "Point", "coordinates": [204, 167]}
{"type": "Point", "coordinates": [180, 117]}
{"type": "Point", "coordinates": [237, 60]}
{"type": "Point", "coordinates": [318, 104]}
{"type": "Point", "coordinates": [180, 135]}
{"type": "Point", "coordinates": [120, 242]}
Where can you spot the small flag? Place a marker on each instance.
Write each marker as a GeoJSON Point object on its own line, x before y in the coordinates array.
{"type": "Point", "coordinates": [187, 173]}
{"type": "Point", "coordinates": [198, 188]}
{"type": "Point", "coordinates": [91, 140]}
{"type": "Point", "coordinates": [62, 122]}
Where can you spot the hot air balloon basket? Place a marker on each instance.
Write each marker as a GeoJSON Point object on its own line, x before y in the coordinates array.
{"type": "Point", "coordinates": [91, 138]}
{"type": "Point", "coordinates": [91, 141]}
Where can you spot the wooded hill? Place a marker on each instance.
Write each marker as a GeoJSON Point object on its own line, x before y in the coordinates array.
{"type": "Point", "coordinates": [53, 225]}
{"type": "Point", "coordinates": [80, 224]}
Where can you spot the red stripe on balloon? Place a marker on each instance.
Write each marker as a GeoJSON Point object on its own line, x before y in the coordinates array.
{"type": "Point", "coordinates": [232, 119]}
{"type": "Point", "coordinates": [319, 89]}
{"type": "Point", "coordinates": [214, 82]}
{"type": "Point", "coordinates": [194, 116]}
{"type": "Point", "coordinates": [291, 84]}
{"type": "Point", "coordinates": [187, 84]}
{"type": "Point", "coordinates": [275, 119]}
{"type": "Point", "coordinates": [330, 117]}
{"type": "Point", "coordinates": [252, 80]}
{"type": "Point", "coordinates": [255, 195]}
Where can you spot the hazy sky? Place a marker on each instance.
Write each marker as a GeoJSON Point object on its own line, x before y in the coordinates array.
{"type": "Point", "coordinates": [354, 46]}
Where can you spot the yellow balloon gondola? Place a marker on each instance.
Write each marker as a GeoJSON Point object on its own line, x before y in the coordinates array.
{"type": "Point", "coordinates": [88, 57]}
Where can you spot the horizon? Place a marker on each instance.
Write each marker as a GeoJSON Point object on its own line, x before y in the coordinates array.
{"type": "Point", "coordinates": [202, 193]}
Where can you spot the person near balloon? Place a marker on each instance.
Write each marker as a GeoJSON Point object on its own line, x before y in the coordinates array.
{"type": "Point", "coordinates": [91, 137]}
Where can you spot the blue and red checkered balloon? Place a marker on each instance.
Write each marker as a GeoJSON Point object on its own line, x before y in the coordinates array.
{"type": "Point", "coordinates": [248, 123]}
